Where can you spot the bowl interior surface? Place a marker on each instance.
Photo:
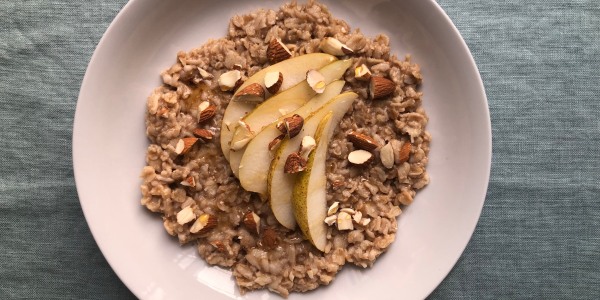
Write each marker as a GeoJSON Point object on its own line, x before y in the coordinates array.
{"type": "Point", "coordinates": [109, 146]}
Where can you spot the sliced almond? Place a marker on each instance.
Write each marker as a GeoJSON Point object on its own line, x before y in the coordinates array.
{"type": "Point", "coordinates": [357, 217]}
{"type": "Point", "coordinates": [277, 51]}
{"type": "Point", "coordinates": [332, 210]}
{"type": "Point", "coordinates": [293, 125]}
{"type": "Point", "coordinates": [276, 142]}
{"type": "Point", "coordinates": [294, 164]}
{"type": "Point", "coordinates": [405, 152]}
{"type": "Point", "coordinates": [248, 135]}
{"type": "Point", "coordinates": [386, 154]}
{"type": "Point", "coordinates": [362, 72]}
{"type": "Point", "coordinates": [228, 80]}
{"type": "Point", "coordinates": [344, 221]}
{"type": "Point", "coordinates": [359, 157]}
{"type": "Point", "coordinates": [380, 87]}
{"type": "Point", "coordinates": [269, 238]}
{"type": "Point", "coordinates": [307, 145]}
{"type": "Point", "coordinates": [206, 111]}
{"type": "Point", "coordinates": [163, 112]}
{"type": "Point", "coordinates": [184, 145]}
{"type": "Point", "coordinates": [252, 222]}
{"type": "Point", "coordinates": [204, 223]}
{"type": "Point", "coordinates": [190, 181]}
{"type": "Point", "coordinates": [205, 74]}
{"type": "Point", "coordinates": [204, 134]}
{"type": "Point", "coordinates": [316, 81]}
{"type": "Point", "coordinates": [365, 221]}
{"type": "Point", "coordinates": [330, 220]}
{"type": "Point", "coordinates": [273, 81]}
{"type": "Point", "coordinates": [219, 245]}
{"type": "Point", "coordinates": [185, 215]}
{"type": "Point", "coordinates": [333, 46]}
{"type": "Point", "coordinates": [253, 93]}
{"type": "Point", "coordinates": [362, 141]}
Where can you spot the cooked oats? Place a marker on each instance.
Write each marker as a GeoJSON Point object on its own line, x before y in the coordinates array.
{"type": "Point", "coordinates": [283, 261]}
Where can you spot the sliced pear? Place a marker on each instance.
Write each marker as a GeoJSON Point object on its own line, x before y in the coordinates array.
{"type": "Point", "coordinates": [279, 184]}
{"type": "Point", "coordinates": [293, 71]}
{"type": "Point", "coordinates": [290, 100]}
{"type": "Point", "coordinates": [256, 158]}
{"type": "Point", "coordinates": [309, 196]}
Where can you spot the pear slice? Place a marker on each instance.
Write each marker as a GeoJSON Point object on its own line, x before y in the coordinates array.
{"type": "Point", "coordinates": [279, 184]}
{"type": "Point", "coordinates": [288, 101]}
{"type": "Point", "coordinates": [293, 71]}
{"type": "Point", "coordinates": [256, 159]}
{"type": "Point", "coordinates": [309, 196]}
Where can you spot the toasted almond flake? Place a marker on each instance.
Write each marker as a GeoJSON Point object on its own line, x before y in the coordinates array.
{"type": "Point", "coordinates": [163, 112]}
{"type": "Point", "coordinates": [253, 93]}
{"type": "Point", "coordinates": [405, 152]}
{"type": "Point", "coordinates": [228, 80]}
{"type": "Point", "coordinates": [185, 215]}
{"type": "Point", "coordinates": [357, 217]}
{"type": "Point", "coordinates": [184, 145]}
{"type": "Point", "coordinates": [276, 142]}
{"type": "Point", "coordinates": [333, 46]}
{"type": "Point", "coordinates": [203, 105]}
{"type": "Point", "coordinates": [204, 134]}
{"type": "Point", "coordinates": [386, 154]}
{"type": "Point", "coordinates": [333, 208]}
{"type": "Point", "coordinates": [240, 144]}
{"type": "Point", "coordinates": [248, 135]}
{"type": "Point", "coordinates": [190, 181]}
{"type": "Point", "coordinates": [277, 51]}
{"type": "Point", "coordinates": [316, 81]}
{"type": "Point", "coordinates": [179, 146]}
{"type": "Point", "coordinates": [330, 220]}
{"type": "Point", "coordinates": [293, 125]}
{"type": "Point", "coordinates": [294, 164]}
{"type": "Point", "coordinates": [206, 111]}
{"type": "Point", "coordinates": [362, 72]}
{"type": "Point", "coordinates": [204, 223]}
{"type": "Point", "coordinates": [273, 81]}
{"type": "Point", "coordinates": [205, 74]}
{"type": "Point", "coordinates": [365, 221]}
{"type": "Point", "coordinates": [219, 246]}
{"type": "Point", "coordinates": [252, 222]}
{"type": "Point", "coordinates": [359, 157]}
{"type": "Point", "coordinates": [307, 145]}
{"type": "Point", "coordinates": [344, 221]}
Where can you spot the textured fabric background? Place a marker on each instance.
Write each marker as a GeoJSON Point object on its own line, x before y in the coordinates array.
{"type": "Point", "coordinates": [538, 236]}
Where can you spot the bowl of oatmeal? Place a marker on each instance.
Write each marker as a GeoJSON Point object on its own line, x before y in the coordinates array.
{"type": "Point", "coordinates": [181, 93]}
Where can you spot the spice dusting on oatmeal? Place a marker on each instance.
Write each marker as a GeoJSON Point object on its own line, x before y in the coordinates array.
{"type": "Point", "coordinates": [352, 120]}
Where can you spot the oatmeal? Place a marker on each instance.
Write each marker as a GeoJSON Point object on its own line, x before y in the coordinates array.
{"type": "Point", "coordinates": [374, 165]}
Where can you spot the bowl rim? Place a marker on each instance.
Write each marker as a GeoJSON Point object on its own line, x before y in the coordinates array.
{"type": "Point", "coordinates": [129, 8]}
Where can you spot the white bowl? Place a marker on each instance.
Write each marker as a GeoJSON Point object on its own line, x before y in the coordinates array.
{"type": "Point", "coordinates": [109, 146]}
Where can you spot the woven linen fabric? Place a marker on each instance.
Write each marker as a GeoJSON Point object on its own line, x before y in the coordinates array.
{"type": "Point", "coordinates": [538, 236]}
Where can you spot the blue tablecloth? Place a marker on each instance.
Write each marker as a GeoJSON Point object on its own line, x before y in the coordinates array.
{"type": "Point", "coordinates": [538, 236]}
